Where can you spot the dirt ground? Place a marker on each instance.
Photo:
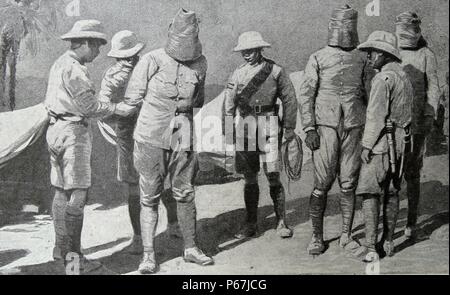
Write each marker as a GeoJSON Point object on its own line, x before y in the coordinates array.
{"type": "Point", "coordinates": [26, 245]}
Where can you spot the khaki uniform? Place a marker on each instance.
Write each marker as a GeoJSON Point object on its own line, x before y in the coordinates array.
{"type": "Point", "coordinates": [421, 67]}
{"type": "Point", "coordinates": [332, 100]}
{"type": "Point", "coordinates": [277, 85]}
{"type": "Point", "coordinates": [113, 87]}
{"type": "Point", "coordinates": [168, 91]}
{"type": "Point", "coordinates": [390, 97]}
{"type": "Point", "coordinates": [71, 100]}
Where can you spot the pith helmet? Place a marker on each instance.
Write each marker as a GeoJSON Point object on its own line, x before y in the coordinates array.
{"type": "Point", "coordinates": [86, 29]}
{"type": "Point", "coordinates": [183, 43]}
{"type": "Point", "coordinates": [381, 40]}
{"type": "Point", "coordinates": [343, 27]}
{"type": "Point", "coordinates": [250, 40]}
{"type": "Point", "coordinates": [125, 44]}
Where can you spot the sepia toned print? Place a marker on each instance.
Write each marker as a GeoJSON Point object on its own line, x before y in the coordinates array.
{"type": "Point", "coordinates": [223, 137]}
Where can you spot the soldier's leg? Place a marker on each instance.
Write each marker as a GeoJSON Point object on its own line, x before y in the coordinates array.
{"type": "Point", "coordinates": [126, 173]}
{"type": "Point", "coordinates": [372, 177]}
{"type": "Point", "coordinates": [325, 161]}
{"type": "Point", "coordinates": [371, 212]}
{"type": "Point", "coordinates": [390, 215]}
{"type": "Point", "coordinates": [414, 163]}
{"type": "Point", "coordinates": [279, 203]}
{"type": "Point", "coordinates": [150, 162]}
{"type": "Point", "coordinates": [248, 164]}
{"type": "Point", "coordinates": [134, 211]}
{"type": "Point", "coordinates": [74, 225]}
{"type": "Point", "coordinates": [182, 169]}
{"type": "Point", "coordinates": [170, 203]}
{"type": "Point", "coordinates": [350, 164]}
{"type": "Point", "coordinates": [74, 219]}
{"type": "Point", "coordinates": [59, 205]}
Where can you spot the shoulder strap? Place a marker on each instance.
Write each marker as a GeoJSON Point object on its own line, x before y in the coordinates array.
{"type": "Point", "coordinates": [254, 84]}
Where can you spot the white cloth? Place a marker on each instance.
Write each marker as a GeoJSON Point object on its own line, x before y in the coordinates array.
{"type": "Point", "coordinates": [20, 129]}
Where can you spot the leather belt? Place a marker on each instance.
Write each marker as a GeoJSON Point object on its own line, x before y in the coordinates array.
{"type": "Point", "coordinates": [258, 109]}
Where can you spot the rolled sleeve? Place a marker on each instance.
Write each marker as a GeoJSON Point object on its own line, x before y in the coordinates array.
{"type": "Point", "coordinates": [308, 92]}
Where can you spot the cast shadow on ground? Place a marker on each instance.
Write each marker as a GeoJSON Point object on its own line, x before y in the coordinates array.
{"type": "Point", "coordinates": [217, 234]}
{"type": "Point", "coordinates": [434, 197]}
{"type": "Point", "coordinates": [9, 256]}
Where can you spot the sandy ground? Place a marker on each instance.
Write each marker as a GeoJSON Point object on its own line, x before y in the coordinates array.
{"type": "Point", "coordinates": [26, 246]}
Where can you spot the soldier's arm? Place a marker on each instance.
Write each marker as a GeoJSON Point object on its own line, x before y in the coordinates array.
{"type": "Point", "coordinates": [308, 92]}
{"type": "Point", "coordinates": [111, 82]}
{"type": "Point", "coordinates": [79, 86]}
{"type": "Point", "coordinates": [367, 75]}
{"type": "Point", "coordinates": [199, 99]}
{"type": "Point", "coordinates": [433, 90]}
{"type": "Point", "coordinates": [137, 86]}
{"type": "Point", "coordinates": [286, 93]}
{"type": "Point", "coordinates": [230, 95]}
{"type": "Point", "coordinates": [377, 111]}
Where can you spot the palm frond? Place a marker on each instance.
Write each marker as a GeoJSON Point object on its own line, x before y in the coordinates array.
{"type": "Point", "coordinates": [39, 19]}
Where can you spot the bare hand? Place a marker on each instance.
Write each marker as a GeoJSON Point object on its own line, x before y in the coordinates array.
{"type": "Point", "coordinates": [289, 134]}
{"type": "Point", "coordinates": [124, 110]}
{"type": "Point", "coordinates": [312, 140]}
{"type": "Point", "coordinates": [365, 156]}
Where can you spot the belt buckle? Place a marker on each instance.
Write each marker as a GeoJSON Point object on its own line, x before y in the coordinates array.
{"type": "Point", "coordinates": [257, 109]}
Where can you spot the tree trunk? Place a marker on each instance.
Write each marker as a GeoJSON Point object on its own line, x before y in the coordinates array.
{"type": "Point", "coordinates": [5, 48]}
{"type": "Point", "coordinates": [12, 63]}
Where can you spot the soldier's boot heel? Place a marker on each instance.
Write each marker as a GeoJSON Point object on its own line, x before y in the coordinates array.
{"type": "Point", "coordinates": [316, 246]}
{"type": "Point", "coordinates": [148, 263]}
{"type": "Point", "coordinates": [279, 206]}
{"type": "Point", "coordinates": [316, 211]}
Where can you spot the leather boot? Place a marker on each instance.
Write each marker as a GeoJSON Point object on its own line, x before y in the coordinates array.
{"type": "Point", "coordinates": [279, 201]}
{"type": "Point", "coordinates": [347, 205]}
{"type": "Point", "coordinates": [134, 210]}
{"type": "Point", "coordinates": [74, 226]}
{"type": "Point", "coordinates": [390, 216]}
{"type": "Point", "coordinates": [58, 211]}
{"type": "Point", "coordinates": [316, 212]}
{"type": "Point", "coordinates": [413, 193]}
{"type": "Point", "coordinates": [251, 199]}
{"type": "Point", "coordinates": [149, 221]}
{"type": "Point", "coordinates": [187, 218]}
{"type": "Point", "coordinates": [371, 211]}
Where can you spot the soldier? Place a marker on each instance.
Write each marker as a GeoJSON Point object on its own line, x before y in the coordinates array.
{"type": "Point", "coordinates": [71, 101]}
{"type": "Point", "coordinates": [125, 48]}
{"type": "Point", "coordinates": [252, 92]}
{"type": "Point", "coordinates": [169, 82]}
{"type": "Point", "coordinates": [332, 100]}
{"type": "Point", "coordinates": [419, 63]}
{"type": "Point", "coordinates": [384, 141]}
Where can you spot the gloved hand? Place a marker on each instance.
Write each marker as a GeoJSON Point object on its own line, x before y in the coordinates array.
{"type": "Point", "coordinates": [312, 140]}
